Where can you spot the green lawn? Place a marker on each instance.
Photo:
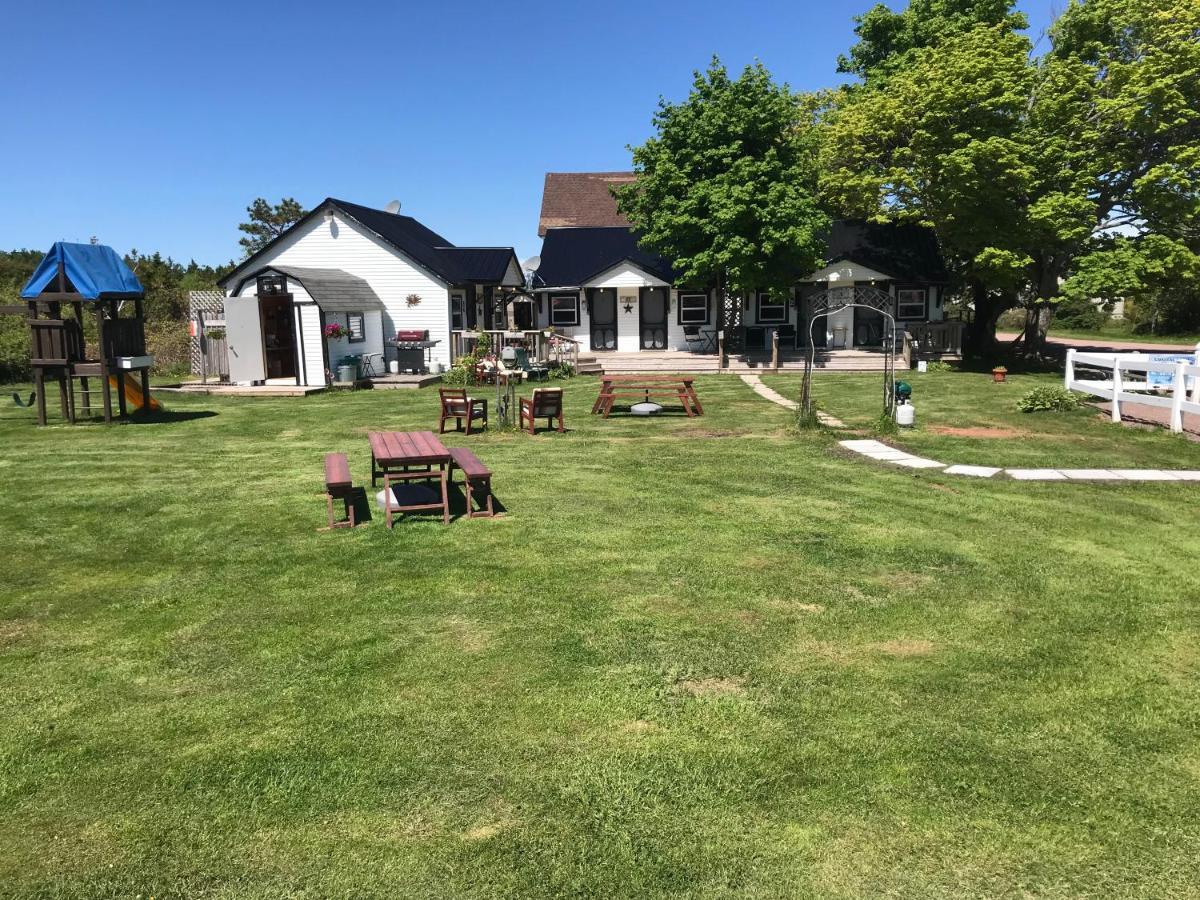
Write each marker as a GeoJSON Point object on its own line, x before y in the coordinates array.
{"type": "Point", "coordinates": [711, 657]}
{"type": "Point", "coordinates": [1122, 331]}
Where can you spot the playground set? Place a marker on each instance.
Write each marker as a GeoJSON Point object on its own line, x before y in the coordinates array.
{"type": "Point", "coordinates": [72, 277]}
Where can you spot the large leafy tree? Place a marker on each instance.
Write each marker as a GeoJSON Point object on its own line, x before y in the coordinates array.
{"type": "Point", "coordinates": [726, 187]}
{"type": "Point", "coordinates": [1030, 169]}
{"type": "Point", "coordinates": [267, 222]}
{"type": "Point", "coordinates": [889, 40]}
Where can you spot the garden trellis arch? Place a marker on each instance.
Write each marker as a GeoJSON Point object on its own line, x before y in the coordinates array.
{"type": "Point", "coordinates": [836, 299]}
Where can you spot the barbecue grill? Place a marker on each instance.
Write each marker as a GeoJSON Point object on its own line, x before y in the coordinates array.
{"type": "Point", "coordinates": [413, 350]}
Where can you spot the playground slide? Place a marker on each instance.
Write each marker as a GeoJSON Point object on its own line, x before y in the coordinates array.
{"type": "Point", "coordinates": [133, 394]}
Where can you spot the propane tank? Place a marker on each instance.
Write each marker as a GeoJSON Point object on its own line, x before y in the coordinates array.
{"type": "Point", "coordinates": [905, 415]}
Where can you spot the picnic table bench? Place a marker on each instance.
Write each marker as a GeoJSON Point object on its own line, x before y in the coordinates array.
{"type": "Point", "coordinates": [402, 456]}
{"type": "Point", "coordinates": [681, 387]}
{"type": "Point", "coordinates": [339, 485]}
{"type": "Point", "coordinates": [476, 476]}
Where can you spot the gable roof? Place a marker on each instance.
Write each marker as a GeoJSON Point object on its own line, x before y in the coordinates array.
{"type": "Point", "coordinates": [908, 252]}
{"type": "Point", "coordinates": [572, 256]}
{"type": "Point", "coordinates": [581, 199]}
{"type": "Point", "coordinates": [94, 271]}
{"type": "Point", "coordinates": [331, 289]}
{"type": "Point", "coordinates": [424, 246]}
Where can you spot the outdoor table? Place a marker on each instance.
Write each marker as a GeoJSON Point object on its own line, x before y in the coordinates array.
{"type": "Point", "coordinates": [681, 386]}
{"type": "Point", "coordinates": [710, 340]}
{"type": "Point", "coordinates": [410, 456]}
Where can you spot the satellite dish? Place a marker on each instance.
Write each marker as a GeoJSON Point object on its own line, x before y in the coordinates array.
{"type": "Point", "coordinates": [393, 207]}
{"type": "Point", "coordinates": [532, 264]}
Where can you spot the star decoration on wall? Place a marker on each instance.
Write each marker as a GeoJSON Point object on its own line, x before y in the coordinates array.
{"type": "Point", "coordinates": [628, 307]}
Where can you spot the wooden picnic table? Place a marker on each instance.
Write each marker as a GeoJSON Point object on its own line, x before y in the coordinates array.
{"type": "Point", "coordinates": [647, 386]}
{"type": "Point", "coordinates": [401, 456]}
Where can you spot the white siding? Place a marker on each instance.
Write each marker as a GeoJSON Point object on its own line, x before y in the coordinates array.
{"type": "Point", "coordinates": [372, 331]}
{"type": "Point", "coordinates": [629, 330]}
{"type": "Point", "coordinates": [342, 244]}
{"type": "Point", "coordinates": [314, 360]}
{"type": "Point", "coordinates": [625, 275]}
{"type": "Point", "coordinates": [847, 271]}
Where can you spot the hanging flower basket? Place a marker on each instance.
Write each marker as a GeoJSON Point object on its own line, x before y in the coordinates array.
{"type": "Point", "coordinates": [336, 330]}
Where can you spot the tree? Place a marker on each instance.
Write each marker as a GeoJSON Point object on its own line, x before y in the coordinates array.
{"type": "Point", "coordinates": [888, 41]}
{"type": "Point", "coordinates": [267, 222]}
{"type": "Point", "coordinates": [726, 188]}
{"type": "Point", "coordinates": [1026, 166]}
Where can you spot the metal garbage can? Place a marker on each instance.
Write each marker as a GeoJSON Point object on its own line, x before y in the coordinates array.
{"type": "Point", "coordinates": [347, 374]}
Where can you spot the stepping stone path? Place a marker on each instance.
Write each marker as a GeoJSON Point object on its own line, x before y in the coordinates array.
{"type": "Point", "coordinates": [881, 452]}
{"type": "Point", "coordinates": [766, 393]}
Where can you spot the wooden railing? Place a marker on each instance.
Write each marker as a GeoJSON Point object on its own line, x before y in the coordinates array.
{"type": "Point", "coordinates": [932, 340]}
{"type": "Point", "coordinates": [462, 342]}
{"type": "Point", "coordinates": [55, 342]}
{"type": "Point", "coordinates": [564, 349]}
{"type": "Point", "coordinates": [124, 337]}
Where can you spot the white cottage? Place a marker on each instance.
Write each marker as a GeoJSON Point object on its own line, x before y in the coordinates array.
{"type": "Point", "coordinates": [372, 274]}
{"type": "Point", "coordinates": [600, 288]}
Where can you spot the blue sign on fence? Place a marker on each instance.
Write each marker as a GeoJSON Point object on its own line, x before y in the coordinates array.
{"type": "Point", "coordinates": [1166, 379]}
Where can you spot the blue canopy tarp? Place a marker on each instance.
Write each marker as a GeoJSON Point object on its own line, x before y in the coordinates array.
{"type": "Point", "coordinates": [94, 270]}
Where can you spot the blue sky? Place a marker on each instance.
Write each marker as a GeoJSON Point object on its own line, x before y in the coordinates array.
{"type": "Point", "coordinates": [163, 121]}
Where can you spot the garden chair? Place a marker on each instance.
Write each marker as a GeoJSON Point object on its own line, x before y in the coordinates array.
{"type": "Point", "coordinates": [695, 340]}
{"type": "Point", "coordinates": [532, 370]}
{"type": "Point", "coordinates": [458, 406]}
{"type": "Point", "coordinates": [787, 336]}
{"type": "Point", "coordinates": [545, 404]}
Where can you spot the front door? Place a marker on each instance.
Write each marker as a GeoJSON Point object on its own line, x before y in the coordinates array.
{"type": "Point", "coordinates": [652, 315]}
{"type": "Point", "coordinates": [279, 335]}
{"type": "Point", "coordinates": [602, 309]}
{"type": "Point", "coordinates": [868, 327]}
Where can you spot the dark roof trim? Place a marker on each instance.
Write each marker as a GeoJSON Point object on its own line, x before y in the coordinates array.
{"type": "Point", "coordinates": [331, 289]}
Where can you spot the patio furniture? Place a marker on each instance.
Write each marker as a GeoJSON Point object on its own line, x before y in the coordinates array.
{"type": "Point", "coordinates": [681, 387]}
{"type": "Point", "coordinates": [756, 338]}
{"type": "Point", "coordinates": [533, 370]}
{"type": "Point", "coordinates": [476, 477]}
{"type": "Point", "coordinates": [458, 406]}
{"type": "Point", "coordinates": [696, 342]}
{"type": "Point", "coordinates": [786, 335]}
{"type": "Point", "coordinates": [545, 404]}
{"type": "Point", "coordinates": [372, 365]}
{"type": "Point", "coordinates": [338, 485]}
{"type": "Point", "coordinates": [404, 456]}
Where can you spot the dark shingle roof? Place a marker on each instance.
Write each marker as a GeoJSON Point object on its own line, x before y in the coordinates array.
{"type": "Point", "coordinates": [571, 256]}
{"type": "Point", "coordinates": [581, 199]}
{"type": "Point", "coordinates": [427, 248]}
{"type": "Point", "coordinates": [905, 251]}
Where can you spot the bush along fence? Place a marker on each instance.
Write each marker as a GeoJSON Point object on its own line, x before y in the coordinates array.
{"type": "Point", "coordinates": [1166, 380]}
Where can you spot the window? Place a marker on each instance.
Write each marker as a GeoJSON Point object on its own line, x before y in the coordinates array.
{"type": "Point", "coordinates": [693, 309]}
{"type": "Point", "coordinates": [458, 306]}
{"type": "Point", "coordinates": [354, 324]}
{"type": "Point", "coordinates": [564, 309]}
{"type": "Point", "coordinates": [772, 309]}
{"type": "Point", "coordinates": [910, 303]}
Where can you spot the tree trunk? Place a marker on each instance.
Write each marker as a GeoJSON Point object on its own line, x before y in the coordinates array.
{"type": "Point", "coordinates": [988, 309]}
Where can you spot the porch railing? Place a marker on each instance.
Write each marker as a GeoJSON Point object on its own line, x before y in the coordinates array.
{"type": "Point", "coordinates": [932, 340]}
{"type": "Point", "coordinates": [462, 342]}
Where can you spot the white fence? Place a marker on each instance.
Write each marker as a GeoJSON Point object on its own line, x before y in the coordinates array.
{"type": "Point", "coordinates": [1139, 378]}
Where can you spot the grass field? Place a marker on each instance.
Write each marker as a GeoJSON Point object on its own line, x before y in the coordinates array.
{"type": "Point", "coordinates": [708, 657]}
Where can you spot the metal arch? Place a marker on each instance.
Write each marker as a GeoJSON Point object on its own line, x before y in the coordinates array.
{"type": "Point", "coordinates": [827, 303]}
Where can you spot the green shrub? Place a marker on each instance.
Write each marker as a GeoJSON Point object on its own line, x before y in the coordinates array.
{"type": "Point", "coordinates": [886, 424]}
{"type": "Point", "coordinates": [168, 342]}
{"type": "Point", "coordinates": [938, 365]}
{"type": "Point", "coordinates": [1079, 315]}
{"type": "Point", "coordinates": [1048, 398]}
{"type": "Point", "coordinates": [562, 370]}
{"type": "Point", "coordinates": [14, 349]}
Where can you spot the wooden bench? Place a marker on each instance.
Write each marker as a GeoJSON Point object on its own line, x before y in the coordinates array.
{"type": "Point", "coordinates": [338, 484]}
{"type": "Point", "coordinates": [476, 476]}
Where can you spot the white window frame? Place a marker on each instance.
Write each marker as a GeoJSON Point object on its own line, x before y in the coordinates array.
{"type": "Point", "coordinates": [351, 336]}
{"type": "Point", "coordinates": [555, 320]}
{"type": "Point", "coordinates": [901, 303]}
{"type": "Point", "coordinates": [765, 299]}
{"type": "Point", "coordinates": [685, 312]}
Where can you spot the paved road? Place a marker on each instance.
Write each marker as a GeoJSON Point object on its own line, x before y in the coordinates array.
{"type": "Point", "coordinates": [1106, 344]}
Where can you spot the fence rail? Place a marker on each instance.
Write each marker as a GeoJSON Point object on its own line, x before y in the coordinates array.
{"type": "Point", "coordinates": [1176, 389]}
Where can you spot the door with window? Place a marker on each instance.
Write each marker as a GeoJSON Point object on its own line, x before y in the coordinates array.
{"type": "Point", "coordinates": [603, 315]}
{"type": "Point", "coordinates": [652, 316]}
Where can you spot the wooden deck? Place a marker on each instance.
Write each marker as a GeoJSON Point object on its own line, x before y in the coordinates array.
{"type": "Point", "coordinates": [681, 361]}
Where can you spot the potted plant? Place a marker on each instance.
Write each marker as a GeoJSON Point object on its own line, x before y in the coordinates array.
{"type": "Point", "coordinates": [336, 330]}
{"type": "Point", "coordinates": [999, 373]}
